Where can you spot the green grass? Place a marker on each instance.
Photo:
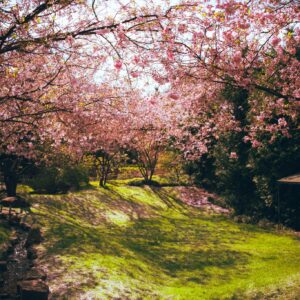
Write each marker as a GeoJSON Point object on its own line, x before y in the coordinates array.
{"type": "Point", "coordinates": [128, 242]}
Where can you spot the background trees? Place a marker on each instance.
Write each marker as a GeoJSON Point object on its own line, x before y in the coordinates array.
{"type": "Point", "coordinates": [235, 64]}
{"type": "Point", "coordinates": [218, 82]}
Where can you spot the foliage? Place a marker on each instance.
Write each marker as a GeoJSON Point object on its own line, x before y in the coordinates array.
{"type": "Point", "coordinates": [243, 164]}
{"type": "Point", "coordinates": [171, 165]}
{"type": "Point", "coordinates": [233, 177]}
{"type": "Point", "coordinates": [14, 168]}
{"type": "Point", "coordinates": [52, 179]}
{"type": "Point", "coordinates": [51, 64]}
{"type": "Point", "coordinates": [105, 164]}
{"type": "Point", "coordinates": [250, 185]}
{"type": "Point", "coordinates": [270, 163]}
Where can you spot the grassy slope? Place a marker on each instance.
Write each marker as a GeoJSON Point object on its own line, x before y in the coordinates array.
{"type": "Point", "coordinates": [139, 243]}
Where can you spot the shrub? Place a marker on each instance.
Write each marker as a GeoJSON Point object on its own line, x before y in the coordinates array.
{"type": "Point", "coordinates": [59, 180]}
{"type": "Point", "coordinates": [248, 182]}
{"type": "Point", "coordinates": [45, 180]}
{"type": "Point", "coordinates": [73, 177]}
{"type": "Point", "coordinates": [143, 182]}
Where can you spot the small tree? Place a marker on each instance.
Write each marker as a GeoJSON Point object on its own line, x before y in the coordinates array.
{"type": "Point", "coordinates": [105, 164]}
{"type": "Point", "coordinates": [150, 131]}
{"type": "Point", "coordinates": [147, 158]}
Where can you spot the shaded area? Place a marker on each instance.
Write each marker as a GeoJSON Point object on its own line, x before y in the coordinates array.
{"type": "Point", "coordinates": [17, 265]}
{"type": "Point", "coordinates": [5, 232]}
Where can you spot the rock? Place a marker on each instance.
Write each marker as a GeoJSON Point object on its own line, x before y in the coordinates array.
{"type": "Point", "coordinates": [35, 274]}
{"type": "Point", "coordinates": [265, 223]}
{"type": "Point", "coordinates": [33, 290]}
{"type": "Point", "coordinates": [3, 266]}
{"type": "Point", "coordinates": [242, 219]}
{"type": "Point", "coordinates": [34, 237]}
{"type": "Point", "coordinates": [8, 201]}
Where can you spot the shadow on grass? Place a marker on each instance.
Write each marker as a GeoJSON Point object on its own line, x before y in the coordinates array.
{"type": "Point", "coordinates": [84, 187]}
{"type": "Point", "coordinates": [175, 248]}
{"type": "Point", "coordinates": [167, 243]}
{"type": "Point", "coordinates": [171, 201]}
{"type": "Point", "coordinates": [178, 249]}
{"type": "Point", "coordinates": [135, 197]}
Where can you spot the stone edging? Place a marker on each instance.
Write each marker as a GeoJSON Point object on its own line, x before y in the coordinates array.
{"type": "Point", "coordinates": [32, 285]}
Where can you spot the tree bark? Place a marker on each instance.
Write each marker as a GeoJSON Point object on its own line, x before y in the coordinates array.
{"type": "Point", "coordinates": [101, 182]}
{"type": "Point", "coordinates": [9, 170]}
{"type": "Point", "coordinates": [11, 183]}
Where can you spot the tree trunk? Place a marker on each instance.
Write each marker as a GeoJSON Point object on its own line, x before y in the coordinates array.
{"type": "Point", "coordinates": [146, 177]}
{"type": "Point", "coordinates": [105, 177]}
{"type": "Point", "coordinates": [11, 183]}
{"type": "Point", "coordinates": [9, 170]}
{"type": "Point", "coordinates": [101, 182]}
{"type": "Point", "coordinates": [150, 178]}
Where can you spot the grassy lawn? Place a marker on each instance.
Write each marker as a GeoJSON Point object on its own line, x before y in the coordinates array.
{"type": "Point", "coordinates": [129, 242]}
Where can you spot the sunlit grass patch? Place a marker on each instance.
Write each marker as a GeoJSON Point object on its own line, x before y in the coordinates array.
{"type": "Point", "coordinates": [140, 243]}
{"type": "Point", "coordinates": [22, 188]}
{"type": "Point", "coordinates": [118, 218]}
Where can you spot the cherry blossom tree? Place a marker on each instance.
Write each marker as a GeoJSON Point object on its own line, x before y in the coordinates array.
{"type": "Point", "coordinates": [58, 59]}
{"type": "Point", "coordinates": [153, 128]}
{"type": "Point", "coordinates": [46, 48]}
{"type": "Point", "coordinates": [251, 46]}
{"type": "Point", "coordinates": [49, 53]}
{"type": "Point", "coordinates": [106, 164]}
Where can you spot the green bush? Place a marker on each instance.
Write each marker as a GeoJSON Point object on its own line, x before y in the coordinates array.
{"type": "Point", "coordinates": [249, 182]}
{"type": "Point", "coordinates": [73, 177]}
{"type": "Point", "coordinates": [45, 180]}
{"type": "Point", "coordinates": [54, 180]}
{"type": "Point", "coordinates": [143, 182]}
{"type": "Point", "coordinates": [270, 163]}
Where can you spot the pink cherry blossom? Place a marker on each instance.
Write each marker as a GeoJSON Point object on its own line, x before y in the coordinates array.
{"type": "Point", "coordinates": [233, 155]}
{"type": "Point", "coordinates": [118, 64]}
